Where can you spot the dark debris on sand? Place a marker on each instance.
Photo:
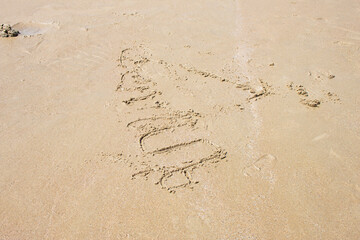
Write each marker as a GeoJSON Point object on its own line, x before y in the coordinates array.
{"type": "Point", "coordinates": [7, 31]}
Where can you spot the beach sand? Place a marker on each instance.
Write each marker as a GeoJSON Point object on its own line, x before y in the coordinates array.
{"type": "Point", "coordinates": [180, 120]}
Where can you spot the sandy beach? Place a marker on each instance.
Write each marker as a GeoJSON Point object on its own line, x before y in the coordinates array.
{"type": "Point", "coordinates": [180, 119]}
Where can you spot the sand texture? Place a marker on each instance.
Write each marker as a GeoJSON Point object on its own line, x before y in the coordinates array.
{"type": "Point", "coordinates": [178, 119]}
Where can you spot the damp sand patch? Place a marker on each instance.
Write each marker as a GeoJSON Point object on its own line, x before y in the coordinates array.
{"type": "Point", "coordinates": [33, 29]}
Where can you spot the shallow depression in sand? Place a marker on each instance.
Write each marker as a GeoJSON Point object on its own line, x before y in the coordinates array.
{"type": "Point", "coordinates": [33, 29]}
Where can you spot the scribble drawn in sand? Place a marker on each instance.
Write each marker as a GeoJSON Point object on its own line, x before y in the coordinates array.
{"type": "Point", "coordinates": [204, 74]}
{"type": "Point", "coordinates": [164, 125]}
{"type": "Point", "coordinates": [133, 84]}
{"type": "Point", "coordinates": [135, 78]}
{"type": "Point", "coordinates": [174, 164]}
{"type": "Point", "coordinates": [310, 102]}
{"type": "Point", "coordinates": [174, 119]}
{"type": "Point", "coordinates": [150, 95]}
{"type": "Point", "coordinates": [304, 94]}
{"type": "Point", "coordinates": [171, 151]}
{"type": "Point", "coordinates": [257, 90]}
{"type": "Point", "coordinates": [260, 91]}
{"type": "Point", "coordinates": [310, 98]}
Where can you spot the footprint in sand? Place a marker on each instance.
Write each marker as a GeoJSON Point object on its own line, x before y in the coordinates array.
{"type": "Point", "coordinates": [262, 168]}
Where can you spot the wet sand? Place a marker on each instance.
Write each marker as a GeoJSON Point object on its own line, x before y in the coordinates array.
{"type": "Point", "coordinates": [180, 120]}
